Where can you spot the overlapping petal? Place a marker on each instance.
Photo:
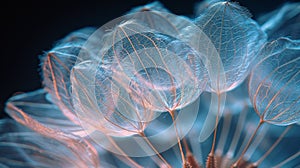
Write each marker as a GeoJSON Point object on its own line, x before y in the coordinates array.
{"type": "Point", "coordinates": [142, 65]}
{"type": "Point", "coordinates": [115, 83]}
{"type": "Point", "coordinates": [57, 65]}
{"type": "Point", "coordinates": [21, 147]}
{"type": "Point", "coordinates": [36, 112]}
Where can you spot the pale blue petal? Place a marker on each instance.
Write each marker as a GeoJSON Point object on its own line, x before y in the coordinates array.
{"type": "Point", "coordinates": [236, 37]}
{"type": "Point", "coordinates": [274, 83]}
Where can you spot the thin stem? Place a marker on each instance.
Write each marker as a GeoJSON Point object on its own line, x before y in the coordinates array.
{"type": "Point", "coordinates": [191, 161]}
{"type": "Point", "coordinates": [237, 133]}
{"type": "Point", "coordinates": [177, 136]}
{"type": "Point", "coordinates": [224, 135]}
{"type": "Point", "coordinates": [272, 147]}
{"type": "Point", "coordinates": [211, 160]}
{"type": "Point", "coordinates": [294, 156]}
{"type": "Point", "coordinates": [248, 144]}
{"type": "Point", "coordinates": [186, 146]}
{"type": "Point", "coordinates": [128, 160]}
{"type": "Point", "coordinates": [212, 151]}
{"type": "Point", "coordinates": [256, 142]}
{"type": "Point", "coordinates": [197, 150]}
{"type": "Point", "coordinates": [153, 148]}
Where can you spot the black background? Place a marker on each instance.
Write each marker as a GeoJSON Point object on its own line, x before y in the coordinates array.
{"type": "Point", "coordinates": [32, 27]}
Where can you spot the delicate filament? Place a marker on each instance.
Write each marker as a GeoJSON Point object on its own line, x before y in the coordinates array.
{"type": "Point", "coordinates": [153, 148]}
{"type": "Point", "coordinates": [178, 139]}
{"type": "Point", "coordinates": [237, 133]}
{"type": "Point", "coordinates": [191, 161]}
{"type": "Point", "coordinates": [287, 160]}
{"type": "Point", "coordinates": [211, 159]}
{"type": "Point", "coordinates": [248, 144]}
{"type": "Point", "coordinates": [273, 146]}
{"type": "Point", "coordinates": [129, 161]}
{"type": "Point", "coordinates": [224, 134]}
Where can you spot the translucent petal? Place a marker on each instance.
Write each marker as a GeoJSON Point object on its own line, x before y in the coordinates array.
{"type": "Point", "coordinates": [160, 132]}
{"type": "Point", "coordinates": [56, 67]}
{"type": "Point", "coordinates": [236, 37]}
{"type": "Point", "coordinates": [155, 16]}
{"type": "Point", "coordinates": [146, 63]}
{"type": "Point", "coordinates": [153, 6]}
{"type": "Point", "coordinates": [162, 73]}
{"type": "Point", "coordinates": [142, 65]}
{"type": "Point", "coordinates": [105, 118]}
{"type": "Point", "coordinates": [20, 147]}
{"type": "Point", "coordinates": [282, 22]}
{"type": "Point", "coordinates": [274, 83]}
{"type": "Point", "coordinates": [201, 6]}
{"type": "Point", "coordinates": [35, 111]}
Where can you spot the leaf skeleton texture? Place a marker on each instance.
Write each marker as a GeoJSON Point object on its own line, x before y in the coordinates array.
{"type": "Point", "coordinates": [274, 84]}
{"type": "Point", "coordinates": [137, 72]}
{"type": "Point", "coordinates": [149, 88]}
{"type": "Point", "coordinates": [56, 67]}
{"type": "Point", "coordinates": [237, 38]}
